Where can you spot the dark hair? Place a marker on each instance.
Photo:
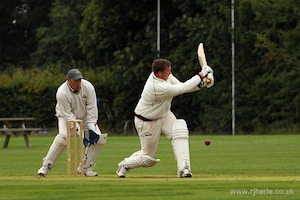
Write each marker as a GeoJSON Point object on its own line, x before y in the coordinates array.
{"type": "Point", "coordinates": [160, 65]}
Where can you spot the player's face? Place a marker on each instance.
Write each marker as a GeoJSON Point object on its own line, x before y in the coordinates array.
{"type": "Point", "coordinates": [165, 74]}
{"type": "Point", "coordinates": [75, 85]}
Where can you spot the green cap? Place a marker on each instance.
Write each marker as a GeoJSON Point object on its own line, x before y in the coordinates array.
{"type": "Point", "coordinates": [74, 74]}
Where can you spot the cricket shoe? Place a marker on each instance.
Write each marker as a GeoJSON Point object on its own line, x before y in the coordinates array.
{"type": "Point", "coordinates": [87, 171]}
{"type": "Point", "coordinates": [185, 173]}
{"type": "Point", "coordinates": [43, 171]}
{"type": "Point", "coordinates": [121, 171]}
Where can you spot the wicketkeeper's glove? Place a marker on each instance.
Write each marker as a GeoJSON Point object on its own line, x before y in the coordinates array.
{"type": "Point", "coordinates": [94, 137]}
{"type": "Point", "coordinates": [86, 142]}
{"type": "Point", "coordinates": [77, 126]}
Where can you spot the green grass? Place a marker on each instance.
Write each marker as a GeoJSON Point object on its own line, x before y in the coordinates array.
{"type": "Point", "coordinates": [259, 164]}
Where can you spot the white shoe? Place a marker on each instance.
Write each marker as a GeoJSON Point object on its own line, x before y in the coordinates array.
{"type": "Point", "coordinates": [90, 172]}
{"type": "Point", "coordinates": [185, 173]}
{"type": "Point", "coordinates": [87, 171]}
{"type": "Point", "coordinates": [43, 171]}
{"type": "Point", "coordinates": [121, 171]}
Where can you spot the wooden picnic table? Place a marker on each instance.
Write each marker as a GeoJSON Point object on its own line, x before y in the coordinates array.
{"type": "Point", "coordinates": [16, 126]}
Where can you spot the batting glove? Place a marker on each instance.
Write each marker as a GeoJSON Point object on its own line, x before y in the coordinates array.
{"type": "Point", "coordinates": [208, 69]}
{"type": "Point", "coordinates": [205, 75]}
{"type": "Point", "coordinates": [210, 81]}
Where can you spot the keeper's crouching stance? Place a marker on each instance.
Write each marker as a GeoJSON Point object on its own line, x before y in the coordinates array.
{"type": "Point", "coordinates": [76, 99]}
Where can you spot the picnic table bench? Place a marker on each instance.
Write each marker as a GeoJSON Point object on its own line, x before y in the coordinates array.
{"type": "Point", "coordinates": [16, 126]}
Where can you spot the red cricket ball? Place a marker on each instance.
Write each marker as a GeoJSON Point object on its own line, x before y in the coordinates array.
{"type": "Point", "coordinates": [207, 142]}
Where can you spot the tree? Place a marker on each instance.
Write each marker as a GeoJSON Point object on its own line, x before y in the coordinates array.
{"type": "Point", "coordinates": [125, 45]}
{"type": "Point", "coordinates": [19, 20]}
{"type": "Point", "coordinates": [58, 42]}
{"type": "Point", "coordinates": [115, 41]}
{"type": "Point", "coordinates": [268, 55]}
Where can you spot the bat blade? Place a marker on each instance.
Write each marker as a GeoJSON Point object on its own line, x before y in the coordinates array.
{"type": "Point", "coordinates": [201, 55]}
{"type": "Point", "coordinates": [202, 60]}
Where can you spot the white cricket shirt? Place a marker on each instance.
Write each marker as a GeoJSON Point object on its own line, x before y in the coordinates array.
{"type": "Point", "coordinates": [157, 95]}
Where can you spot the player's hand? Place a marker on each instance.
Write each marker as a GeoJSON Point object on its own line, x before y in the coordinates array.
{"type": "Point", "coordinates": [208, 69]}
{"type": "Point", "coordinates": [94, 137]}
{"type": "Point", "coordinates": [202, 83]}
{"type": "Point", "coordinates": [77, 129]}
{"type": "Point", "coordinates": [209, 80]}
{"type": "Point", "coordinates": [205, 71]}
{"type": "Point", "coordinates": [86, 142]}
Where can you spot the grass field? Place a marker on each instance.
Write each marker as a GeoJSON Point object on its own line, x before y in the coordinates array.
{"type": "Point", "coordinates": [263, 166]}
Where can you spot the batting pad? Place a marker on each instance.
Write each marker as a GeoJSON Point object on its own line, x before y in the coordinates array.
{"type": "Point", "coordinates": [137, 159]}
{"type": "Point", "coordinates": [93, 151]}
{"type": "Point", "coordinates": [180, 144]}
{"type": "Point", "coordinates": [57, 147]}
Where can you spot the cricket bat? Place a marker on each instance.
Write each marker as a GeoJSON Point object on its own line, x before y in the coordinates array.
{"type": "Point", "coordinates": [201, 55]}
{"type": "Point", "coordinates": [202, 59]}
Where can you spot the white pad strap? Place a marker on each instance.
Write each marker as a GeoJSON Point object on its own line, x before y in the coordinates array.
{"type": "Point", "coordinates": [180, 143]}
{"type": "Point", "coordinates": [57, 147]}
{"type": "Point", "coordinates": [93, 151]}
{"type": "Point", "coordinates": [137, 159]}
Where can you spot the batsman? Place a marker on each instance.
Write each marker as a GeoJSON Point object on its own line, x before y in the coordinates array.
{"type": "Point", "coordinates": [153, 117]}
{"type": "Point", "coordinates": [76, 99]}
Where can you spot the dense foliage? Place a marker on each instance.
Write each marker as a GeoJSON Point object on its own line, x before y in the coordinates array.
{"type": "Point", "coordinates": [114, 43]}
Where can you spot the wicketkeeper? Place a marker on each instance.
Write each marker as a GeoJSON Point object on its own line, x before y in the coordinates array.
{"type": "Point", "coordinates": [76, 99]}
{"type": "Point", "coordinates": [153, 117]}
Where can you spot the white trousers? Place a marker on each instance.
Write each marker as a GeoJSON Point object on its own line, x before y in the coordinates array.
{"type": "Point", "coordinates": [149, 132]}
